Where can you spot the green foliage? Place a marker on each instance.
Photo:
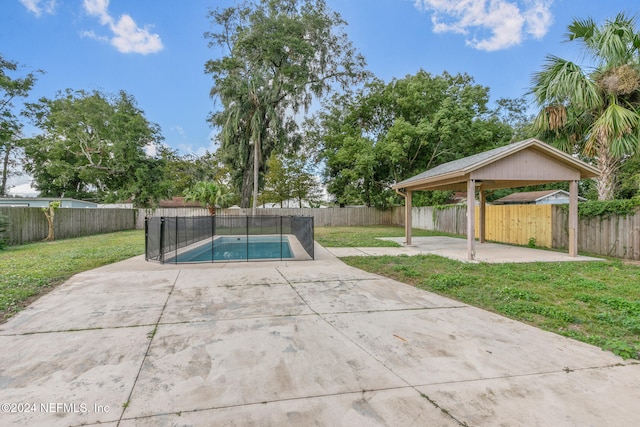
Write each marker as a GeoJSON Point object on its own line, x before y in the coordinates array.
{"type": "Point", "coordinates": [4, 226]}
{"type": "Point", "coordinates": [11, 88]}
{"type": "Point", "coordinates": [183, 172]}
{"type": "Point", "coordinates": [290, 177]}
{"type": "Point", "coordinates": [93, 147]}
{"type": "Point", "coordinates": [210, 194]}
{"type": "Point", "coordinates": [628, 182]}
{"type": "Point", "coordinates": [24, 275]}
{"type": "Point", "coordinates": [431, 198]}
{"type": "Point", "coordinates": [532, 242]}
{"type": "Point", "coordinates": [390, 132]}
{"type": "Point", "coordinates": [594, 113]}
{"type": "Point", "coordinates": [606, 208]}
{"type": "Point", "coordinates": [278, 56]}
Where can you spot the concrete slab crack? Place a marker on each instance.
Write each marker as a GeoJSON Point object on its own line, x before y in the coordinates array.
{"type": "Point", "coordinates": [151, 336]}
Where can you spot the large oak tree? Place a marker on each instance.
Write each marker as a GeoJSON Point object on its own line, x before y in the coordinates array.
{"type": "Point", "coordinates": [390, 132]}
{"type": "Point", "coordinates": [11, 88]}
{"type": "Point", "coordinates": [94, 147]}
{"type": "Point", "coordinates": [278, 55]}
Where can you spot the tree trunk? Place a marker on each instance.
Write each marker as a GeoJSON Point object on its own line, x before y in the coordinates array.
{"type": "Point", "coordinates": [608, 165]}
{"type": "Point", "coordinates": [49, 213]}
{"type": "Point", "coordinates": [247, 184]}
{"type": "Point", "coordinates": [5, 170]}
{"type": "Point", "coordinates": [256, 164]}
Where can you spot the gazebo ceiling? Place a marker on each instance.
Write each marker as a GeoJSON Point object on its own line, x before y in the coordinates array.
{"type": "Point", "coordinates": [527, 162]}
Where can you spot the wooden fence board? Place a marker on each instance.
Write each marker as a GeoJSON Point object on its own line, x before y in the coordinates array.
{"type": "Point", "coordinates": [30, 224]}
{"type": "Point", "coordinates": [323, 217]}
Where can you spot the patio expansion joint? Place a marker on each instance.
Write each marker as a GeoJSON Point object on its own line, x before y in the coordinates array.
{"type": "Point", "coordinates": [234, 319]}
{"type": "Point", "coordinates": [146, 353]}
{"type": "Point", "coordinates": [298, 282]}
{"type": "Point", "coordinates": [368, 353]}
{"type": "Point", "coordinates": [62, 331]}
{"type": "Point", "coordinates": [565, 370]}
{"type": "Point", "coordinates": [266, 402]}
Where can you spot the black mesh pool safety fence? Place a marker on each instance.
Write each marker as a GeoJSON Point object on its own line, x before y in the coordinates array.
{"type": "Point", "coordinates": [228, 238]}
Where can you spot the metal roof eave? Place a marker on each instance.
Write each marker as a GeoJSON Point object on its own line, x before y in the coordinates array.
{"type": "Point", "coordinates": [586, 170]}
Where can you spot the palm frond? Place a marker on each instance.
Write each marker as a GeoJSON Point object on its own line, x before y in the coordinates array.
{"type": "Point", "coordinates": [562, 81]}
{"type": "Point", "coordinates": [581, 29]}
{"type": "Point", "coordinates": [616, 128]}
{"type": "Point", "coordinates": [614, 42]}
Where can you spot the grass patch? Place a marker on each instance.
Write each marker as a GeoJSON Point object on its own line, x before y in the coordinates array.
{"type": "Point", "coordinates": [363, 237]}
{"type": "Point", "coordinates": [594, 302]}
{"type": "Point", "coordinates": [28, 271]}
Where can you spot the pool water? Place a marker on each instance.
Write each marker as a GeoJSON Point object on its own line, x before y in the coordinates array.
{"type": "Point", "coordinates": [237, 249]}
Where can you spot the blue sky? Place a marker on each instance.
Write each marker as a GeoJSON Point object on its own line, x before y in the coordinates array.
{"type": "Point", "coordinates": [155, 49]}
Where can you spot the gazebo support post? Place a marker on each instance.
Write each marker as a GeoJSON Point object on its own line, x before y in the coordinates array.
{"type": "Point", "coordinates": [482, 216]}
{"type": "Point", "coordinates": [407, 218]}
{"type": "Point", "coordinates": [471, 218]}
{"type": "Point", "coordinates": [573, 218]}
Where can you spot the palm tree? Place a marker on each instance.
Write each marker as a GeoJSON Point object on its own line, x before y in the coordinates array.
{"type": "Point", "coordinates": [250, 117]}
{"type": "Point", "coordinates": [596, 113]}
{"type": "Point", "coordinates": [209, 194]}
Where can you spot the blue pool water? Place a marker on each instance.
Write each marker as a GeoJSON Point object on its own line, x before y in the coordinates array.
{"type": "Point", "coordinates": [237, 249]}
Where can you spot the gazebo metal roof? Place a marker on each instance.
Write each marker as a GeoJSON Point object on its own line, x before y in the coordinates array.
{"type": "Point", "coordinates": [453, 175]}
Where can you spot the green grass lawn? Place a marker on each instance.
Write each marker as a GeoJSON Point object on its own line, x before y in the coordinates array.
{"type": "Point", "coordinates": [28, 271]}
{"type": "Point", "coordinates": [365, 237]}
{"type": "Point", "coordinates": [594, 302]}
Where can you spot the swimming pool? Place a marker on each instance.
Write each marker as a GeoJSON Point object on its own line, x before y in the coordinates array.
{"type": "Point", "coordinates": [238, 248]}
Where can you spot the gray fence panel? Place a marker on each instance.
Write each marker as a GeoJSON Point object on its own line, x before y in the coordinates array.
{"type": "Point", "coordinates": [30, 224]}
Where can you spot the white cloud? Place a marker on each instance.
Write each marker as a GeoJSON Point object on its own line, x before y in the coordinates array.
{"type": "Point", "coordinates": [490, 24]}
{"type": "Point", "coordinates": [127, 36]}
{"type": "Point", "coordinates": [23, 190]}
{"type": "Point", "coordinates": [37, 7]}
{"type": "Point", "coordinates": [179, 130]}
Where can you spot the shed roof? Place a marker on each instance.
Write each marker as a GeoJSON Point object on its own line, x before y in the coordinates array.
{"type": "Point", "coordinates": [531, 196]}
{"type": "Point", "coordinates": [522, 163]}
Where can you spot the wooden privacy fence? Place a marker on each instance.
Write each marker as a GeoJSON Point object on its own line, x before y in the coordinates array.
{"type": "Point", "coordinates": [614, 235]}
{"type": "Point", "coordinates": [515, 224]}
{"type": "Point", "coordinates": [30, 224]}
{"type": "Point", "coordinates": [323, 217]}
{"type": "Point", "coordinates": [617, 236]}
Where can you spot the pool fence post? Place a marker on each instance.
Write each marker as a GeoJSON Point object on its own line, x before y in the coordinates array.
{"type": "Point", "coordinates": [280, 237]}
{"type": "Point", "coordinates": [213, 233]}
{"type": "Point", "coordinates": [161, 240]}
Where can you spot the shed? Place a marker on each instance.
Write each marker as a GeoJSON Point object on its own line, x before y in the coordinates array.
{"type": "Point", "coordinates": [543, 197]}
{"type": "Point", "coordinates": [528, 162]}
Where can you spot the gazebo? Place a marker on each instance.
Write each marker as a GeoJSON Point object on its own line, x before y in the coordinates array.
{"type": "Point", "coordinates": [528, 162]}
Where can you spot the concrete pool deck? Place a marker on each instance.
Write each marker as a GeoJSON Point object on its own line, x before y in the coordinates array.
{"type": "Point", "coordinates": [291, 343]}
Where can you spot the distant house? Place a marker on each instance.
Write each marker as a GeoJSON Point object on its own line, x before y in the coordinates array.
{"type": "Point", "coordinates": [545, 197]}
{"type": "Point", "coordinates": [43, 202]}
{"type": "Point", "coordinates": [173, 203]}
{"type": "Point", "coordinates": [288, 204]}
{"type": "Point", "coordinates": [178, 202]}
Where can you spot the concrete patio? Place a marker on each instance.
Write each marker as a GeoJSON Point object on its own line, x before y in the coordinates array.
{"type": "Point", "coordinates": [455, 248]}
{"type": "Point", "coordinates": [292, 343]}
